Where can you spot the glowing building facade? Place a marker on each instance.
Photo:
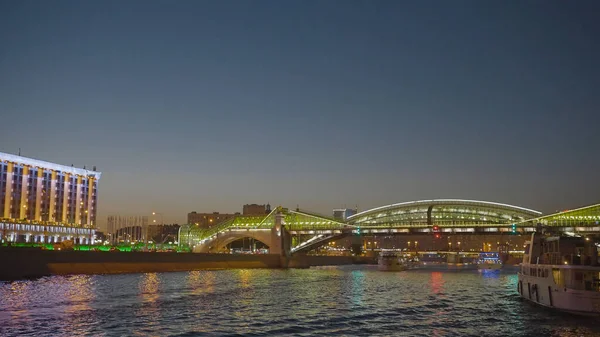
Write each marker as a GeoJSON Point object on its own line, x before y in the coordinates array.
{"type": "Point", "coordinates": [42, 193]}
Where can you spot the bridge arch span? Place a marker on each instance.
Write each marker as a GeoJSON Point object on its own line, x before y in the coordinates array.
{"type": "Point", "coordinates": [220, 242]}
{"type": "Point", "coordinates": [442, 212]}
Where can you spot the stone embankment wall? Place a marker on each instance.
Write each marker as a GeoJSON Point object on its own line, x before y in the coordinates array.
{"type": "Point", "coordinates": [19, 263]}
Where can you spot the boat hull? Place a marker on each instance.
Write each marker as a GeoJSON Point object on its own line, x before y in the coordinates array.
{"type": "Point", "coordinates": [489, 266]}
{"type": "Point", "coordinates": [544, 291]}
{"type": "Point", "coordinates": [391, 263]}
{"type": "Point", "coordinates": [392, 268]}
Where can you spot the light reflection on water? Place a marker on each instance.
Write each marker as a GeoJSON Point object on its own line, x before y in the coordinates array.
{"type": "Point", "coordinates": [201, 282]}
{"type": "Point", "coordinates": [349, 300]}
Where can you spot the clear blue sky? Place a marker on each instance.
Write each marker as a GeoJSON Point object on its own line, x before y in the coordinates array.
{"type": "Point", "coordinates": [207, 105]}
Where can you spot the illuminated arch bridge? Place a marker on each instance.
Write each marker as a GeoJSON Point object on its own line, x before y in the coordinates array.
{"type": "Point", "coordinates": [309, 230]}
{"type": "Point", "coordinates": [297, 223]}
{"type": "Point", "coordinates": [451, 215]}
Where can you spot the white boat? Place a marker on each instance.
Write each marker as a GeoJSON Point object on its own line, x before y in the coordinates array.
{"type": "Point", "coordinates": [390, 261]}
{"type": "Point", "coordinates": [489, 261]}
{"type": "Point", "coordinates": [561, 273]}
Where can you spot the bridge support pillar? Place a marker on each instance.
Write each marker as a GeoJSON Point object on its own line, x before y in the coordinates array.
{"type": "Point", "coordinates": [281, 240]}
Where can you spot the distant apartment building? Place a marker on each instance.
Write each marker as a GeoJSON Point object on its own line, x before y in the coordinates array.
{"type": "Point", "coordinates": [341, 214]}
{"type": "Point", "coordinates": [254, 209]}
{"type": "Point", "coordinates": [207, 220]}
{"type": "Point", "coordinates": [163, 233]}
{"type": "Point", "coordinates": [42, 201]}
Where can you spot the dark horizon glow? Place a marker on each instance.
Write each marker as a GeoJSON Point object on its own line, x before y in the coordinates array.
{"type": "Point", "coordinates": [208, 105]}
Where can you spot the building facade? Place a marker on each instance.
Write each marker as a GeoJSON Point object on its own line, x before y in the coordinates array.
{"type": "Point", "coordinates": [207, 220]}
{"type": "Point", "coordinates": [341, 214]}
{"type": "Point", "coordinates": [39, 193]}
{"type": "Point", "coordinates": [163, 233]}
{"type": "Point", "coordinates": [254, 209]}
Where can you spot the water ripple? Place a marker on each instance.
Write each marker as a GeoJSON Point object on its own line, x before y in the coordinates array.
{"type": "Point", "coordinates": [341, 301]}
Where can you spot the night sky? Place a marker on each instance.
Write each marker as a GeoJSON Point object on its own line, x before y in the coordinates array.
{"type": "Point", "coordinates": [208, 105]}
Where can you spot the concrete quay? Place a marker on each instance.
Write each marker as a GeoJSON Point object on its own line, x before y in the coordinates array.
{"type": "Point", "coordinates": [22, 263]}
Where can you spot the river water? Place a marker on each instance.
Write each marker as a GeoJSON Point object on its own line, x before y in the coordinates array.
{"type": "Point", "coordinates": [340, 301]}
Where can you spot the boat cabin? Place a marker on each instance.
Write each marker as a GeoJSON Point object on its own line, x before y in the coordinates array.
{"type": "Point", "coordinates": [571, 261]}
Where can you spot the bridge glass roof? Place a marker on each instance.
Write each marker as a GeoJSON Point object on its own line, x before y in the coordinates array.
{"type": "Point", "coordinates": [442, 212]}
{"type": "Point", "coordinates": [584, 216]}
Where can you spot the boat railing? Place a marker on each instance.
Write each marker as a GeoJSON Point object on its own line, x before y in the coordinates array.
{"type": "Point", "coordinates": [572, 259]}
{"type": "Point", "coordinates": [550, 258]}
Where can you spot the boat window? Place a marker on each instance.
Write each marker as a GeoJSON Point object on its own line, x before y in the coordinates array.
{"type": "Point", "coordinates": [595, 281]}
{"type": "Point", "coordinates": [591, 281]}
{"type": "Point", "coordinates": [557, 277]}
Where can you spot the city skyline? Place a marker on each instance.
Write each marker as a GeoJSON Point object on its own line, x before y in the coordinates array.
{"type": "Point", "coordinates": [207, 106]}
